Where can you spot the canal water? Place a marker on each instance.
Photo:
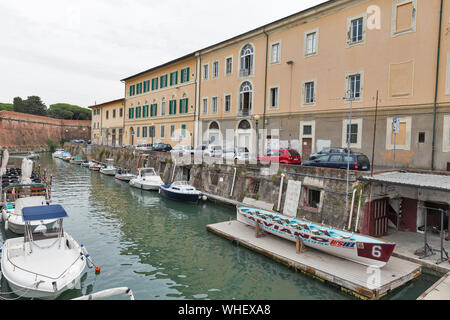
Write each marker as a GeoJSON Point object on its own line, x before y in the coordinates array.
{"type": "Point", "coordinates": [162, 251]}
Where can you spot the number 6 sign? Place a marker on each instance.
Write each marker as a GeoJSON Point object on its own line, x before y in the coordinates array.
{"type": "Point", "coordinates": [376, 251]}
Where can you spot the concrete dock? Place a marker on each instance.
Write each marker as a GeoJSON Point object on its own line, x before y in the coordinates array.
{"type": "Point", "coordinates": [439, 291]}
{"type": "Point", "coordinates": [353, 278]}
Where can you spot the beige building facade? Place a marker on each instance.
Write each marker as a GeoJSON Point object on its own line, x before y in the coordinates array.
{"type": "Point", "coordinates": [309, 81]}
{"type": "Point", "coordinates": [107, 123]}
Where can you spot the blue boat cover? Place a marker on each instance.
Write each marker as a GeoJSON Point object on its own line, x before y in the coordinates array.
{"type": "Point", "coordinates": [43, 213]}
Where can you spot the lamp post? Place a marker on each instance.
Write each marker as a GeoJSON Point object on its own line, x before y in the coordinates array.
{"type": "Point", "coordinates": [257, 118]}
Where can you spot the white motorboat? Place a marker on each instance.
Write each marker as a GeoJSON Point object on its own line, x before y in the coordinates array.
{"type": "Point", "coordinates": [66, 156]}
{"type": "Point", "coordinates": [44, 263]}
{"type": "Point", "coordinates": [110, 169]}
{"type": "Point", "coordinates": [147, 179]}
{"type": "Point", "coordinates": [86, 164]}
{"type": "Point", "coordinates": [58, 153]}
{"type": "Point", "coordinates": [5, 159]}
{"type": "Point", "coordinates": [95, 166]}
{"type": "Point", "coordinates": [181, 191]}
{"type": "Point", "coordinates": [33, 155]}
{"type": "Point", "coordinates": [124, 175]}
{"type": "Point", "coordinates": [78, 159]}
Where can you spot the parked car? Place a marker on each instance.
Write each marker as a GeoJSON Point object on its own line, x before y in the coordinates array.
{"type": "Point", "coordinates": [199, 150]}
{"type": "Point", "coordinates": [162, 147]}
{"type": "Point", "coordinates": [239, 153]}
{"type": "Point", "coordinates": [328, 151]}
{"type": "Point", "coordinates": [283, 156]}
{"type": "Point", "coordinates": [213, 151]}
{"type": "Point", "coordinates": [145, 147]}
{"type": "Point", "coordinates": [358, 161]}
{"type": "Point", "coordinates": [182, 150]}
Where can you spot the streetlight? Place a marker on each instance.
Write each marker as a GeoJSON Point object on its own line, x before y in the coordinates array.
{"type": "Point", "coordinates": [257, 118]}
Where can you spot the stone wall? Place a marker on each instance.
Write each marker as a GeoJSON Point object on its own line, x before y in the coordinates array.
{"type": "Point", "coordinates": [25, 131]}
{"type": "Point", "coordinates": [251, 181]}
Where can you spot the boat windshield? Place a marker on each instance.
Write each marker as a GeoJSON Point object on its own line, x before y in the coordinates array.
{"type": "Point", "coordinates": [148, 172]}
{"type": "Point", "coordinates": [180, 184]}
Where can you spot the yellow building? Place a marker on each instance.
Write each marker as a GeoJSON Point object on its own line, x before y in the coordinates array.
{"type": "Point", "coordinates": [107, 123]}
{"type": "Point", "coordinates": [160, 104]}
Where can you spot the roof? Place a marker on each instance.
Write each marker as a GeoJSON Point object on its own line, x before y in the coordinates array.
{"type": "Point", "coordinates": [104, 103]}
{"type": "Point", "coordinates": [412, 179]}
{"type": "Point", "coordinates": [44, 213]}
{"type": "Point", "coordinates": [231, 39]}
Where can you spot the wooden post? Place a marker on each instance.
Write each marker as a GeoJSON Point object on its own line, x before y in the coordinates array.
{"type": "Point", "coordinates": [300, 246]}
{"type": "Point", "coordinates": [259, 231]}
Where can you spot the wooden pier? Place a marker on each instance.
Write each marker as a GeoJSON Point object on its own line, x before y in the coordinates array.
{"type": "Point", "coordinates": [353, 278]}
{"type": "Point", "coordinates": [439, 291]}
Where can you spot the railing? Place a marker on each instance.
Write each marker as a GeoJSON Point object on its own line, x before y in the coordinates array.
{"type": "Point", "coordinates": [245, 72]}
{"type": "Point", "coordinates": [245, 113]}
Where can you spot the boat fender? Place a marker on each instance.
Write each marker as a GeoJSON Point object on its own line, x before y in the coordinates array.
{"type": "Point", "coordinates": [89, 262]}
{"type": "Point", "coordinates": [6, 225]}
{"type": "Point", "coordinates": [204, 198]}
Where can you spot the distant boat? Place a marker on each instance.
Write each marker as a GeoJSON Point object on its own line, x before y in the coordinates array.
{"type": "Point", "coordinates": [147, 179]}
{"type": "Point", "coordinates": [124, 175]}
{"type": "Point", "coordinates": [66, 156]}
{"type": "Point", "coordinates": [78, 159]}
{"type": "Point", "coordinates": [110, 169]}
{"type": "Point", "coordinates": [33, 155]}
{"type": "Point", "coordinates": [95, 166]}
{"type": "Point", "coordinates": [46, 262]}
{"type": "Point", "coordinates": [86, 164]}
{"type": "Point", "coordinates": [181, 191]}
{"type": "Point", "coordinates": [355, 247]}
{"type": "Point", "coordinates": [58, 153]}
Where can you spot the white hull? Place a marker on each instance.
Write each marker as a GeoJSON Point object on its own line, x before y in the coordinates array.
{"type": "Point", "coordinates": [349, 249]}
{"type": "Point", "coordinates": [124, 177]}
{"type": "Point", "coordinates": [108, 172]}
{"type": "Point", "coordinates": [145, 185]}
{"type": "Point", "coordinates": [46, 271]}
{"type": "Point", "coordinates": [15, 223]}
{"type": "Point", "coordinates": [76, 161]}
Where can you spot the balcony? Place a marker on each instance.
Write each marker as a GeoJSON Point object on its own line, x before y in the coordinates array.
{"type": "Point", "coordinates": [245, 113]}
{"type": "Point", "coordinates": [245, 72]}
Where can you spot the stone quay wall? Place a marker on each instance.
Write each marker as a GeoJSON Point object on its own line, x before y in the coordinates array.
{"type": "Point", "coordinates": [26, 132]}
{"type": "Point", "coordinates": [250, 181]}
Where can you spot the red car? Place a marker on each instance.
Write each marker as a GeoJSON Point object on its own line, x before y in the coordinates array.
{"type": "Point", "coordinates": [283, 156]}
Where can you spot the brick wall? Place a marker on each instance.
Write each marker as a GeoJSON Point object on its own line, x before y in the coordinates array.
{"type": "Point", "coordinates": [26, 130]}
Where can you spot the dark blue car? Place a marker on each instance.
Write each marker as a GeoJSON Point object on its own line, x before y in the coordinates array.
{"type": "Point", "coordinates": [357, 161]}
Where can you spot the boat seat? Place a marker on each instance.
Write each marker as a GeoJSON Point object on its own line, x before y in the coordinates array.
{"type": "Point", "coordinates": [14, 253]}
{"type": "Point", "coordinates": [325, 231]}
{"type": "Point", "coordinates": [315, 231]}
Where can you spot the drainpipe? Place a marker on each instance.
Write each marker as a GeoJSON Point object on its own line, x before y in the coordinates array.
{"type": "Point", "coordinates": [281, 192]}
{"type": "Point", "coordinates": [197, 101]}
{"type": "Point", "coordinates": [265, 81]}
{"type": "Point", "coordinates": [433, 151]}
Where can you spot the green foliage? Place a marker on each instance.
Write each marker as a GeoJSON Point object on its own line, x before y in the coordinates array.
{"type": "Point", "coordinates": [69, 112]}
{"type": "Point", "coordinates": [52, 145]}
{"type": "Point", "coordinates": [32, 105]}
{"type": "Point", "coordinates": [6, 106]}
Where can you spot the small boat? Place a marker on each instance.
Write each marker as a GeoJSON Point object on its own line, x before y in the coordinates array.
{"type": "Point", "coordinates": [86, 164]}
{"type": "Point", "coordinates": [108, 293]}
{"type": "Point", "coordinates": [147, 179]}
{"type": "Point", "coordinates": [45, 262]}
{"type": "Point", "coordinates": [124, 175]}
{"type": "Point", "coordinates": [110, 169]}
{"type": "Point", "coordinates": [58, 153]}
{"type": "Point", "coordinates": [66, 156]}
{"type": "Point", "coordinates": [95, 166]}
{"type": "Point", "coordinates": [78, 159]}
{"type": "Point", "coordinates": [181, 191]}
{"type": "Point", "coordinates": [354, 247]}
{"type": "Point", "coordinates": [33, 155]}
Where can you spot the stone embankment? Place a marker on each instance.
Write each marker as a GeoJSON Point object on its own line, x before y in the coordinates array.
{"type": "Point", "coordinates": [322, 197]}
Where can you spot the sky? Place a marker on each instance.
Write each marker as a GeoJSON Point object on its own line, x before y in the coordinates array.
{"type": "Point", "coordinates": [77, 52]}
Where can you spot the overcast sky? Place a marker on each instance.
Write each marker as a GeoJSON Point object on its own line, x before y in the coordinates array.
{"type": "Point", "coordinates": [78, 51]}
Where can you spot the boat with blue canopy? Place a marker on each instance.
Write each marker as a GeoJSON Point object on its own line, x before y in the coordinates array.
{"type": "Point", "coordinates": [46, 261]}
{"type": "Point", "coordinates": [181, 191]}
{"type": "Point", "coordinates": [355, 247]}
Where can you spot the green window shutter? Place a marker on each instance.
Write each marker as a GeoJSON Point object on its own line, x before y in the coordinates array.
{"type": "Point", "coordinates": [186, 104]}
{"type": "Point", "coordinates": [130, 113]}
{"type": "Point", "coordinates": [187, 74]}
{"type": "Point", "coordinates": [138, 131]}
{"type": "Point", "coordinates": [174, 106]}
{"type": "Point", "coordinates": [181, 106]}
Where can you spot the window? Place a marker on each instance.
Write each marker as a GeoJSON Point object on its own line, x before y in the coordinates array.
{"type": "Point", "coordinates": [352, 133]}
{"type": "Point", "coordinates": [131, 113]}
{"type": "Point", "coordinates": [184, 105]}
{"type": "Point", "coordinates": [144, 132]}
{"type": "Point", "coordinates": [172, 131]}
{"type": "Point", "coordinates": [247, 56]}
{"type": "Point", "coordinates": [164, 81]}
{"type": "Point", "coordinates": [214, 105]}
{"type": "Point", "coordinates": [174, 78]}
{"type": "Point", "coordinates": [275, 53]}
{"type": "Point", "coordinates": [356, 30]}
{"type": "Point", "coordinates": [146, 86]}
{"type": "Point", "coordinates": [152, 132]}
{"type": "Point", "coordinates": [153, 110]}
{"type": "Point", "coordinates": [446, 135]}
{"type": "Point", "coordinates": [154, 84]}
{"type": "Point", "coordinates": [246, 99]}
{"type": "Point", "coordinates": [309, 93]}
{"type": "Point", "coordinates": [229, 65]}
{"type": "Point", "coordinates": [163, 108]}
{"type": "Point", "coordinates": [139, 88]}
{"type": "Point", "coordinates": [114, 113]}
{"type": "Point", "coordinates": [312, 198]}
{"type": "Point", "coordinates": [132, 90]}
{"type": "Point", "coordinates": [138, 132]}
{"type": "Point", "coordinates": [227, 103]}
{"type": "Point", "coordinates": [274, 96]}
{"type": "Point", "coordinates": [354, 85]}
{"type": "Point", "coordinates": [307, 130]}
{"type": "Point", "coordinates": [163, 129]}
{"type": "Point", "coordinates": [402, 140]}
{"type": "Point", "coordinates": [447, 91]}
{"type": "Point", "coordinates": [311, 38]}
{"type": "Point", "coordinates": [205, 106]}
{"type": "Point", "coordinates": [183, 130]}
{"type": "Point", "coordinates": [184, 75]}
{"type": "Point", "coordinates": [205, 72]}
{"type": "Point", "coordinates": [215, 70]}
{"type": "Point", "coordinates": [172, 107]}
{"type": "Point", "coordinates": [404, 17]}
{"type": "Point", "coordinates": [107, 114]}
{"type": "Point", "coordinates": [421, 137]}
{"type": "Point", "coordinates": [120, 112]}
{"type": "Point", "coordinates": [138, 112]}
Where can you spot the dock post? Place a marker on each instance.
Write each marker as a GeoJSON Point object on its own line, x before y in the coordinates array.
{"type": "Point", "coordinates": [300, 246]}
{"type": "Point", "coordinates": [259, 231]}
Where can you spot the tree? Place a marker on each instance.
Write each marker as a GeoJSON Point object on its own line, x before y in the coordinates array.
{"type": "Point", "coordinates": [68, 111]}
{"type": "Point", "coordinates": [32, 105]}
{"type": "Point", "coordinates": [6, 106]}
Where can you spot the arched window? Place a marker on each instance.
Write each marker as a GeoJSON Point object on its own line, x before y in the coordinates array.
{"type": "Point", "coordinates": [245, 99]}
{"type": "Point", "coordinates": [244, 125]}
{"type": "Point", "coordinates": [214, 126]}
{"type": "Point", "coordinates": [247, 55]}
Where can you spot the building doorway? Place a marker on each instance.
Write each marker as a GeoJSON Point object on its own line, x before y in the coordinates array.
{"type": "Point", "coordinates": [306, 148]}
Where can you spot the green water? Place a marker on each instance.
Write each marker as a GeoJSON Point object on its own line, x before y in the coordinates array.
{"type": "Point", "coordinates": [162, 250]}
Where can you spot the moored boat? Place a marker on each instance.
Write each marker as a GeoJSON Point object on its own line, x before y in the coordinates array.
{"type": "Point", "coordinates": [78, 159]}
{"type": "Point", "coordinates": [58, 153]}
{"type": "Point", "coordinates": [355, 247]}
{"type": "Point", "coordinates": [124, 175]}
{"type": "Point", "coordinates": [109, 169]}
{"type": "Point", "coordinates": [45, 262]}
{"type": "Point", "coordinates": [95, 166]}
{"type": "Point", "coordinates": [147, 179]}
{"type": "Point", "coordinates": [181, 191]}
